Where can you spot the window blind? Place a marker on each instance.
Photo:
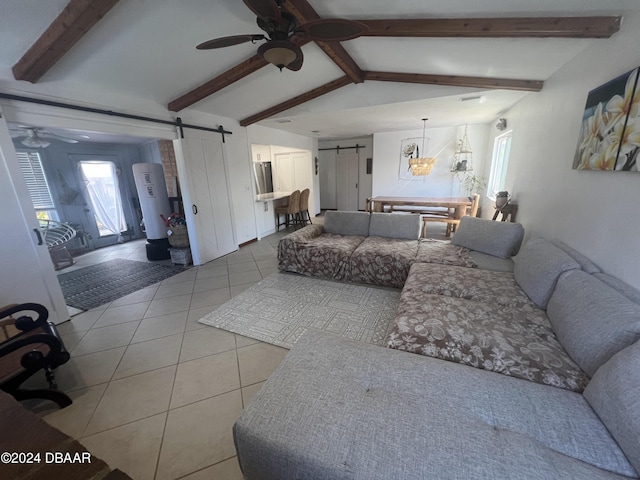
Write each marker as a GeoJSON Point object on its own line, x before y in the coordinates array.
{"type": "Point", "coordinates": [33, 173]}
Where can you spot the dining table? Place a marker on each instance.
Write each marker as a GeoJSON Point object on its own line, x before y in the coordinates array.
{"type": "Point", "coordinates": [459, 204]}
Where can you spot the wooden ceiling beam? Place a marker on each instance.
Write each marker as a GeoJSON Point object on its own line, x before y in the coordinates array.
{"type": "Point", "coordinates": [305, 97]}
{"type": "Point", "coordinates": [303, 12]}
{"type": "Point", "coordinates": [65, 31]}
{"type": "Point", "coordinates": [560, 27]}
{"type": "Point", "coordinates": [456, 81]}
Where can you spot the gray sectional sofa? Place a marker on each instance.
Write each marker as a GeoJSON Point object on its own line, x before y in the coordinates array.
{"type": "Point", "coordinates": [338, 409]}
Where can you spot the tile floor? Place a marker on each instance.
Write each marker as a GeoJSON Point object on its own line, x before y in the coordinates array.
{"type": "Point", "coordinates": [155, 392]}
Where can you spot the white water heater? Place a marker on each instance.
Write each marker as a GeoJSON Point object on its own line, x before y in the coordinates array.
{"type": "Point", "coordinates": [154, 200]}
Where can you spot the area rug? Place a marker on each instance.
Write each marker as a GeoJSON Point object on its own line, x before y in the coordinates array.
{"type": "Point", "coordinates": [280, 308]}
{"type": "Point", "coordinates": [90, 287]}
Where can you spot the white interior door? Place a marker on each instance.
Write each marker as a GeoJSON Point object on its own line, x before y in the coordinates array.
{"type": "Point", "coordinates": [201, 161]}
{"type": "Point", "coordinates": [327, 168]}
{"type": "Point", "coordinates": [26, 270]}
{"type": "Point", "coordinates": [347, 181]}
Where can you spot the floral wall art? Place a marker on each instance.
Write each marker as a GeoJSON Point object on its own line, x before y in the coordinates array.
{"type": "Point", "coordinates": [610, 134]}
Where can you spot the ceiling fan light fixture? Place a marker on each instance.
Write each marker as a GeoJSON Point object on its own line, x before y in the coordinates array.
{"type": "Point", "coordinates": [279, 52]}
{"type": "Point", "coordinates": [35, 142]}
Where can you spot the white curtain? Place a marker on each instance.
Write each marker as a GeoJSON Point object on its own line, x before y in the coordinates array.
{"type": "Point", "coordinates": [101, 179]}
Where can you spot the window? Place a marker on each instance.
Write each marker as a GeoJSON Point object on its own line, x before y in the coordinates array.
{"type": "Point", "coordinates": [501, 150]}
{"type": "Point", "coordinates": [39, 191]}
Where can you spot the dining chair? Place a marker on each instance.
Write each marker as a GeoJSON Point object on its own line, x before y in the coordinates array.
{"type": "Point", "coordinates": [291, 210]}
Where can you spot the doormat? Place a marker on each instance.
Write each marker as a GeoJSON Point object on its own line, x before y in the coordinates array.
{"type": "Point", "coordinates": [90, 287]}
{"type": "Point", "coordinates": [283, 306]}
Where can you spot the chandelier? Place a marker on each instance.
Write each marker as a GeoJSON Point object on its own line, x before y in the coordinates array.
{"type": "Point", "coordinates": [421, 166]}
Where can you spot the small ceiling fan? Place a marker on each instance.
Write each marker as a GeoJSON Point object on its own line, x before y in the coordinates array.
{"type": "Point", "coordinates": [281, 27]}
{"type": "Point", "coordinates": [35, 137]}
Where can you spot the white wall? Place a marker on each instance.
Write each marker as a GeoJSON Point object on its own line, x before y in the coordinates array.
{"type": "Point", "coordinates": [440, 182]}
{"type": "Point", "coordinates": [365, 181]}
{"type": "Point", "coordinates": [595, 212]}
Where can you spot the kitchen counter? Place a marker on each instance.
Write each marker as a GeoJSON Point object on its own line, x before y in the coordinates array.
{"type": "Point", "coordinates": [265, 197]}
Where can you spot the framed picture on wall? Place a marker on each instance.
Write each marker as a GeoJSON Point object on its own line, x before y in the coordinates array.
{"type": "Point", "coordinates": [610, 134]}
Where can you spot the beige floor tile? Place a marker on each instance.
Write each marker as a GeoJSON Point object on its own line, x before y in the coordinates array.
{"type": "Point", "coordinates": [73, 419]}
{"type": "Point", "coordinates": [149, 355]}
{"type": "Point", "coordinates": [270, 262]}
{"type": "Point", "coordinates": [122, 314]}
{"type": "Point", "coordinates": [240, 256]}
{"type": "Point", "coordinates": [72, 339]}
{"type": "Point", "coordinates": [162, 326]}
{"type": "Point", "coordinates": [210, 298]}
{"type": "Point", "coordinates": [199, 435]}
{"type": "Point", "coordinates": [84, 321]}
{"type": "Point", "coordinates": [87, 370]}
{"type": "Point", "coordinates": [238, 289]}
{"type": "Point", "coordinates": [186, 276]}
{"type": "Point", "coordinates": [196, 314]}
{"type": "Point", "coordinates": [212, 271]}
{"type": "Point", "coordinates": [244, 277]}
{"type": "Point", "coordinates": [205, 342]}
{"type": "Point", "coordinates": [165, 306]}
{"type": "Point", "coordinates": [226, 470]}
{"type": "Point", "coordinates": [144, 295]}
{"type": "Point", "coordinates": [175, 289]}
{"type": "Point", "coordinates": [242, 341]}
{"type": "Point", "coordinates": [258, 361]}
{"type": "Point", "coordinates": [249, 392]}
{"type": "Point", "coordinates": [133, 398]}
{"type": "Point", "coordinates": [105, 338]}
{"type": "Point", "coordinates": [265, 272]}
{"type": "Point", "coordinates": [243, 267]}
{"type": "Point", "coordinates": [205, 377]}
{"type": "Point", "coordinates": [132, 448]}
{"type": "Point", "coordinates": [211, 283]}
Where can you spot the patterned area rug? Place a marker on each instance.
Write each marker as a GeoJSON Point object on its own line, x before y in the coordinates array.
{"type": "Point", "coordinates": [90, 287]}
{"type": "Point", "coordinates": [281, 307]}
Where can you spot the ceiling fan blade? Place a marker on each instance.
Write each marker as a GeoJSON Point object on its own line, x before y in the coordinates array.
{"type": "Point", "coordinates": [333, 29]}
{"type": "Point", "coordinates": [297, 63]}
{"type": "Point", "coordinates": [229, 41]}
{"type": "Point", "coordinates": [264, 8]}
{"type": "Point", "coordinates": [43, 134]}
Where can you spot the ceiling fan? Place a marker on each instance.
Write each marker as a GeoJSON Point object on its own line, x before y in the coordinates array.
{"type": "Point", "coordinates": [35, 137]}
{"type": "Point", "coordinates": [282, 48]}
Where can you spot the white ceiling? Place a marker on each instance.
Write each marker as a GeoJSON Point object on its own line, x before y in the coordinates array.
{"type": "Point", "coordinates": [146, 49]}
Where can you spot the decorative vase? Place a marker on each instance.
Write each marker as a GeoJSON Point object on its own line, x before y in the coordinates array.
{"type": "Point", "coordinates": [502, 199]}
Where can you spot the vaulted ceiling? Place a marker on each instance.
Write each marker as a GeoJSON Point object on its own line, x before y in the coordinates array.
{"type": "Point", "coordinates": [439, 53]}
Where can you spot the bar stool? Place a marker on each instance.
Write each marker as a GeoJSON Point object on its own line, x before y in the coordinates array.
{"type": "Point", "coordinates": [304, 207]}
{"type": "Point", "coordinates": [290, 211]}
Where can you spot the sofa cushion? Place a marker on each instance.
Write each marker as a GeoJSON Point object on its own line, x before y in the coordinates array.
{"type": "Point", "coordinates": [339, 409]}
{"type": "Point", "coordinates": [592, 320]}
{"type": "Point", "coordinates": [401, 225]}
{"type": "Point", "coordinates": [486, 286]}
{"type": "Point", "coordinates": [537, 268]}
{"type": "Point", "coordinates": [620, 287]}
{"type": "Point", "coordinates": [500, 239]}
{"type": "Point", "coordinates": [614, 394]}
{"type": "Point", "coordinates": [518, 342]}
{"type": "Point", "coordinates": [311, 252]}
{"type": "Point", "coordinates": [346, 223]}
{"type": "Point", "coordinates": [489, 262]}
{"type": "Point", "coordinates": [383, 261]}
{"type": "Point", "coordinates": [441, 251]}
{"type": "Point", "coordinates": [586, 264]}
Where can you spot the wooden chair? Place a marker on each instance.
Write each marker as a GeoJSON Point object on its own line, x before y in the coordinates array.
{"type": "Point", "coordinates": [26, 347]}
{"type": "Point", "coordinates": [291, 210]}
{"type": "Point", "coordinates": [452, 219]}
{"type": "Point", "coordinates": [304, 207]}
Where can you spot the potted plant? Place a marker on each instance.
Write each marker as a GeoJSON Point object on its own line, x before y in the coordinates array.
{"type": "Point", "coordinates": [472, 183]}
{"type": "Point", "coordinates": [502, 199]}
